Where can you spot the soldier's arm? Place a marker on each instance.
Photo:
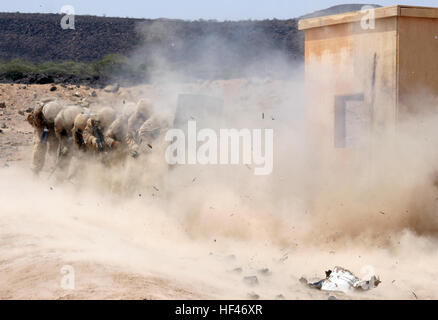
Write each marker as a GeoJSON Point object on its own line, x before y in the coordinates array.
{"type": "Point", "coordinates": [130, 141]}
{"type": "Point", "coordinates": [89, 139]}
{"type": "Point", "coordinates": [111, 143]}
{"type": "Point", "coordinates": [78, 137]}
{"type": "Point", "coordinates": [38, 117]}
{"type": "Point", "coordinates": [30, 120]}
{"type": "Point", "coordinates": [111, 133]}
{"type": "Point", "coordinates": [130, 136]}
{"type": "Point", "coordinates": [59, 125]}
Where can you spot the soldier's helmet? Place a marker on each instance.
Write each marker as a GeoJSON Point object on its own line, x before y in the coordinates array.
{"type": "Point", "coordinates": [145, 108]}
{"type": "Point", "coordinates": [69, 114]}
{"type": "Point", "coordinates": [106, 116]}
{"type": "Point", "coordinates": [51, 110]}
{"type": "Point", "coordinates": [81, 121]}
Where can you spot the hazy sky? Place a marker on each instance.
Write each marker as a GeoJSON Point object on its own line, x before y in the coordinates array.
{"type": "Point", "coordinates": [191, 9]}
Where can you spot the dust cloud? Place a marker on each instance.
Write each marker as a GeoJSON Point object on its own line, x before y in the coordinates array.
{"type": "Point", "coordinates": [196, 231]}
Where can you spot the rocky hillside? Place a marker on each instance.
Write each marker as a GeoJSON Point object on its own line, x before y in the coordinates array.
{"type": "Point", "coordinates": [338, 9]}
{"type": "Point", "coordinates": [206, 49]}
{"type": "Point", "coordinates": [39, 37]}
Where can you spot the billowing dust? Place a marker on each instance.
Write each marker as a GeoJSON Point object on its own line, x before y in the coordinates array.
{"type": "Point", "coordinates": [197, 231]}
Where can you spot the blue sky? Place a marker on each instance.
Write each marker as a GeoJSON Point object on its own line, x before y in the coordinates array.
{"type": "Point", "coordinates": [191, 9]}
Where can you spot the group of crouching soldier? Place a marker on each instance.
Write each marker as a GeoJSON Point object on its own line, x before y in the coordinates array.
{"type": "Point", "coordinates": [110, 136]}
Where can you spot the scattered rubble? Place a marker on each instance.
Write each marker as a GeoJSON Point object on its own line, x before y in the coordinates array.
{"type": "Point", "coordinates": [342, 280]}
{"type": "Point", "coordinates": [265, 272]}
{"type": "Point", "coordinates": [230, 257]}
{"type": "Point", "coordinates": [237, 270]}
{"type": "Point", "coordinates": [283, 258]}
{"type": "Point", "coordinates": [251, 280]}
{"type": "Point", "coordinates": [253, 296]}
{"type": "Point", "coordinates": [84, 103]}
{"type": "Point", "coordinates": [112, 88]}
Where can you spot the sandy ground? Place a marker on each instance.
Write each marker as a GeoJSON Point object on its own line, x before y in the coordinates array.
{"type": "Point", "coordinates": [135, 249]}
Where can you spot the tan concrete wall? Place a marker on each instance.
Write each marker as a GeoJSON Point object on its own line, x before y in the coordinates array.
{"type": "Point", "coordinates": [340, 60]}
{"type": "Point", "coordinates": [418, 63]}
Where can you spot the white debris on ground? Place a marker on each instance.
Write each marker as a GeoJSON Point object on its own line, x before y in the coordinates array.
{"type": "Point", "coordinates": [343, 280]}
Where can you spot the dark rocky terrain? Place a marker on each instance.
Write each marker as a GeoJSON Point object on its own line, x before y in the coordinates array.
{"type": "Point", "coordinates": [200, 49]}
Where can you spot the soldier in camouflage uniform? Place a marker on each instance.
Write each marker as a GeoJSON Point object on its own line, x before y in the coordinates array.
{"type": "Point", "coordinates": [146, 142]}
{"type": "Point", "coordinates": [94, 131]}
{"type": "Point", "coordinates": [79, 125]}
{"type": "Point", "coordinates": [64, 123]}
{"type": "Point", "coordinates": [142, 113]}
{"type": "Point", "coordinates": [42, 120]}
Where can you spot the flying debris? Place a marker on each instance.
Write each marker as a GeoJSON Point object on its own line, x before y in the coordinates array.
{"type": "Point", "coordinates": [343, 280]}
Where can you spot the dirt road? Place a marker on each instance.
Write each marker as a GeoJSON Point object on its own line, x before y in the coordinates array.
{"type": "Point", "coordinates": [139, 248]}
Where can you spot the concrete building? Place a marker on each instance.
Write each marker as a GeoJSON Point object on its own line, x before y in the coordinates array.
{"type": "Point", "coordinates": [365, 70]}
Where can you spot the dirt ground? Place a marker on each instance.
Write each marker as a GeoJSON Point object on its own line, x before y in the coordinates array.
{"type": "Point", "coordinates": [135, 249]}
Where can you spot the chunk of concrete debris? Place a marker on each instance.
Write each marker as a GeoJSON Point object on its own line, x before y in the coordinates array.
{"type": "Point", "coordinates": [230, 257]}
{"type": "Point", "coordinates": [283, 258]}
{"type": "Point", "coordinates": [342, 280]}
{"type": "Point", "coordinates": [253, 296]}
{"type": "Point", "coordinates": [237, 270]}
{"type": "Point", "coordinates": [112, 88]}
{"type": "Point", "coordinates": [251, 280]}
{"type": "Point", "coordinates": [264, 272]}
{"type": "Point", "coordinates": [85, 104]}
{"type": "Point", "coordinates": [47, 100]}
